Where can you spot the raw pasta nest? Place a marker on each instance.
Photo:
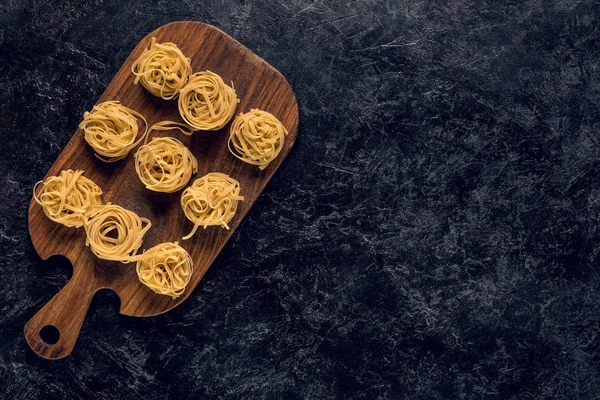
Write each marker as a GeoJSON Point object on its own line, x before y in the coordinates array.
{"type": "Point", "coordinates": [206, 102]}
{"type": "Point", "coordinates": [166, 269]}
{"type": "Point", "coordinates": [111, 130]}
{"type": "Point", "coordinates": [67, 197]}
{"type": "Point", "coordinates": [162, 69]}
{"type": "Point", "coordinates": [165, 165]}
{"type": "Point", "coordinates": [211, 201]}
{"type": "Point", "coordinates": [114, 233]}
{"type": "Point", "coordinates": [256, 137]}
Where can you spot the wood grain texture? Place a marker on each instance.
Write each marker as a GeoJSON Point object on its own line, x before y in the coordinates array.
{"type": "Point", "coordinates": [258, 85]}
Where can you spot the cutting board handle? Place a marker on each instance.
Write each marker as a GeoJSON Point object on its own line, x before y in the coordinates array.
{"type": "Point", "coordinates": [53, 330]}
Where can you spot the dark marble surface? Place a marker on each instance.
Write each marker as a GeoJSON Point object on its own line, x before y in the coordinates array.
{"type": "Point", "coordinates": [433, 234]}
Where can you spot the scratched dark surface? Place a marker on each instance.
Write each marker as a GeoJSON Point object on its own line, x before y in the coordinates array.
{"type": "Point", "coordinates": [433, 234]}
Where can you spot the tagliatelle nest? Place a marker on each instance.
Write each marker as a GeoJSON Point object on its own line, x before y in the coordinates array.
{"type": "Point", "coordinates": [206, 102]}
{"type": "Point", "coordinates": [66, 198]}
{"type": "Point", "coordinates": [256, 137]}
{"type": "Point", "coordinates": [114, 233]}
{"type": "Point", "coordinates": [165, 165]}
{"type": "Point", "coordinates": [211, 201]}
{"type": "Point", "coordinates": [166, 269]}
{"type": "Point", "coordinates": [162, 69]}
{"type": "Point", "coordinates": [111, 129]}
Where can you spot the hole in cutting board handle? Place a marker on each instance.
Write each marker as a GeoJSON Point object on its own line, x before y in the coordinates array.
{"type": "Point", "coordinates": [49, 334]}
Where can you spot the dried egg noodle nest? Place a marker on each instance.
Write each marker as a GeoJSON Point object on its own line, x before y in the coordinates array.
{"type": "Point", "coordinates": [256, 137]}
{"type": "Point", "coordinates": [111, 129]}
{"type": "Point", "coordinates": [166, 269]}
{"type": "Point", "coordinates": [114, 233]}
{"type": "Point", "coordinates": [211, 200]}
{"type": "Point", "coordinates": [67, 197]}
{"type": "Point", "coordinates": [206, 102]}
{"type": "Point", "coordinates": [162, 69]}
{"type": "Point", "coordinates": [165, 165]}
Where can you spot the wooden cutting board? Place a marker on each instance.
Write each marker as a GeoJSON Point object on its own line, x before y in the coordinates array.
{"type": "Point", "coordinates": [258, 85]}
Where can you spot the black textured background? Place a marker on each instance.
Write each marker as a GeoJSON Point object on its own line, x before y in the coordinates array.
{"type": "Point", "coordinates": [433, 233]}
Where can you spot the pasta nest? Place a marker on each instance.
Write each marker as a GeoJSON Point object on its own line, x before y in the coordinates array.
{"type": "Point", "coordinates": [256, 137]}
{"type": "Point", "coordinates": [166, 269]}
{"type": "Point", "coordinates": [206, 102]}
{"type": "Point", "coordinates": [211, 201]}
{"type": "Point", "coordinates": [111, 129]}
{"type": "Point", "coordinates": [114, 233]}
{"type": "Point", "coordinates": [162, 69]}
{"type": "Point", "coordinates": [165, 165]}
{"type": "Point", "coordinates": [67, 197]}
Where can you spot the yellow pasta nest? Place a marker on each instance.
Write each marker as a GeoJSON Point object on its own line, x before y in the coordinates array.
{"type": "Point", "coordinates": [206, 102]}
{"type": "Point", "coordinates": [211, 200]}
{"type": "Point", "coordinates": [256, 137]}
{"type": "Point", "coordinates": [165, 165]}
{"type": "Point", "coordinates": [67, 197]}
{"type": "Point", "coordinates": [162, 69]}
{"type": "Point", "coordinates": [112, 130]}
{"type": "Point", "coordinates": [166, 269]}
{"type": "Point", "coordinates": [114, 233]}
